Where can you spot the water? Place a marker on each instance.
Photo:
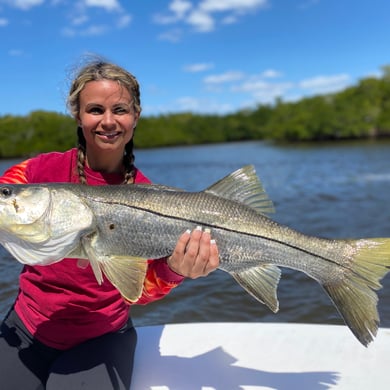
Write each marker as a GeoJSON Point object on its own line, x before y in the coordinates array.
{"type": "Point", "coordinates": [328, 190]}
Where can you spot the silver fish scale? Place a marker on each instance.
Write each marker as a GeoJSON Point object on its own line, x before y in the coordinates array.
{"type": "Point", "coordinates": [147, 223]}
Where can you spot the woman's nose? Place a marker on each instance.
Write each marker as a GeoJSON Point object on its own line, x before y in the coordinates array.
{"type": "Point", "coordinates": [108, 118]}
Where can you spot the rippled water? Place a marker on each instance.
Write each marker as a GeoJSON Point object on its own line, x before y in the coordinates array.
{"type": "Point", "coordinates": [328, 190]}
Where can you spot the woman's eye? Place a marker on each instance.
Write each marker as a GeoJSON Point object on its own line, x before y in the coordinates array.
{"type": "Point", "coordinates": [120, 110]}
{"type": "Point", "coordinates": [95, 110]}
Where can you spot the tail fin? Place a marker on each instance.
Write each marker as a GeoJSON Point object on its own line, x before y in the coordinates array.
{"type": "Point", "coordinates": [355, 296]}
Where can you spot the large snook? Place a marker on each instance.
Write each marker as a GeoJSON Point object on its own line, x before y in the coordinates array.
{"type": "Point", "coordinates": [118, 227]}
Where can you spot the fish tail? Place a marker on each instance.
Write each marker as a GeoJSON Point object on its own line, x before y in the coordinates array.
{"type": "Point", "coordinates": [368, 261]}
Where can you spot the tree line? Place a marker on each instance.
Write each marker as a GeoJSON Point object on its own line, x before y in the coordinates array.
{"type": "Point", "coordinates": [359, 111]}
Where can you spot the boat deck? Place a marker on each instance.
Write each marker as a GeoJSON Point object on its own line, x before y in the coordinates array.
{"type": "Point", "coordinates": [254, 356]}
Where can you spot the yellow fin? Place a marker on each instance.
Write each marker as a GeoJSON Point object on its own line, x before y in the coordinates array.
{"type": "Point", "coordinates": [86, 248]}
{"type": "Point", "coordinates": [127, 274]}
{"type": "Point", "coordinates": [244, 186]}
{"type": "Point", "coordinates": [261, 282]}
{"type": "Point", "coordinates": [355, 296]}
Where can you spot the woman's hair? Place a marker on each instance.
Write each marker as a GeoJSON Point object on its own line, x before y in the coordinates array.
{"type": "Point", "coordinates": [101, 70]}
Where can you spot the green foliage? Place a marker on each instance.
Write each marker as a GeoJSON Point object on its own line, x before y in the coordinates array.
{"type": "Point", "coordinates": [360, 111]}
{"type": "Point", "coordinates": [40, 131]}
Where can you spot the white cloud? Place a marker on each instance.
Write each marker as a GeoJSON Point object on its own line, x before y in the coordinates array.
{"type": "Point", "coordinates": [200, 67]}
{"type": "Point", "coordinates": [94, 30]}
{"type": "Point", "coordinates": [79, 20]}
{"type": "Point", "coordinates": [180, 8]}
{"type": "Point", "coordinates": [204, 105]}
{"type": "Point", "coordinates": [326, 84]}
{"type": "Point", "coordinates": [203, 16]}
{"type": "Point", "coordinates": [164, 19]}
{"type": "Point", "coordinates": [376, 74]}
{"type": "Point", "coordinates": [173, 36]}
{"type": "Point", "coordinates": [223, 78]}
{"type": "Point", "coordinates": [109, 5]}
{"type": "Point", "coordinates": [25, 4]}
{"type": "Point", "coordinates": [230, 19]}
{"type": "Point", "coordinates": [188, 104]}
{"type": "Point", "coordinates": [262, 91]}
{"type": "Point", "coordinates": [202, 21]}
{"type": "Point", "coordinates": [124, 21]}
{"type": "Point", "coordinates": [250, 90]}
{"type": "Point", "coordinates": [57, 2]}
{"type": "Point", "coordinates": [191, 104]}
{"type": "Point", "coordinates": [270, 74]}
{"type": "Point", "coordinates": [231, 5]}
{"type": "Point", "coordinates": [82, 16]}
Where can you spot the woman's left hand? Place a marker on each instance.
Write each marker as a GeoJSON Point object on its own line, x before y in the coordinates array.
{"type": "Point", "coordinates": [195, 255]}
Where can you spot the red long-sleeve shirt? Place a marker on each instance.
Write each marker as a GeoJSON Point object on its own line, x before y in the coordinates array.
{"type": "Point", "coordinates": [61, 304]}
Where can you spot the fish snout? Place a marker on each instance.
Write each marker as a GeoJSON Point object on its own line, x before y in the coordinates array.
{"type": "Point", "coordinates": [22, 204]}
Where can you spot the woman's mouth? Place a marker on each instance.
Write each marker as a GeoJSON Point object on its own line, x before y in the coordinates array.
{"type": "Point", "coordinates": [108, 134]}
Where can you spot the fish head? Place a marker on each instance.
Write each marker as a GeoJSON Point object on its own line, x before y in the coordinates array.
{"type": "Point", "coordinates": [24, 211]}
{"type": "Point", "coordinates": [41, 224]}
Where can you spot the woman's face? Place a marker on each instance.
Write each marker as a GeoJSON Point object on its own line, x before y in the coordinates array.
{"type": "Point", "coordinates": [106, 116]}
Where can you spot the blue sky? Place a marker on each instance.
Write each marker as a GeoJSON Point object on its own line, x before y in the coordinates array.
{"type": "Point", "coordinates": [206, 56]}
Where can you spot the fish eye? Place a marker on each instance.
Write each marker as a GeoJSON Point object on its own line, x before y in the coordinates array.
{"type": "Point", "coordinates": [6, 191]}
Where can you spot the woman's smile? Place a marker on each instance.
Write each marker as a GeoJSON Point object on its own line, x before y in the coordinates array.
{"type": "Point", "coordinates": [108, 135]}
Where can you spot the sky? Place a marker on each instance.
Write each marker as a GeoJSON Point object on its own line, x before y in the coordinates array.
{"type": "Point", "coordinates": [206, 56]}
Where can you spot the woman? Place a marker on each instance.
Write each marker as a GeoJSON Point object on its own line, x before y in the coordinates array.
{"type": "Point", "coordinates": [65, 331]}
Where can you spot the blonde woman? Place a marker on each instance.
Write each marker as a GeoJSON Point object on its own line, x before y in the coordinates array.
{"type": "Point", "coordinates": [65, 331]}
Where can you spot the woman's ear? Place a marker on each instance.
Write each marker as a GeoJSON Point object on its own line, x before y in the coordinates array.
{"type": "Point", "coordinates": [136, 120]}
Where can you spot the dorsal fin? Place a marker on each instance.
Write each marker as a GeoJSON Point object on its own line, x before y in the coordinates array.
{"type": "Point", "coordinates": [243, 186]}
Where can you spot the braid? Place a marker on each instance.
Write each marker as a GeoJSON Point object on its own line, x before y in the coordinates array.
{"type": "Point", "coordinates": [128, 162]}
{"type": "Point", "coordinates": [81, 149]}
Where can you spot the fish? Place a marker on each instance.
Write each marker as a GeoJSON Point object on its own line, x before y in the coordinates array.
{"type": "Point", "coordinates": [118, 227]}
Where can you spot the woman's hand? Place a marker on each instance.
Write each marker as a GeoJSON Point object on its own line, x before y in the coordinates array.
{"type": "Point", "coordinates": [195, 255]}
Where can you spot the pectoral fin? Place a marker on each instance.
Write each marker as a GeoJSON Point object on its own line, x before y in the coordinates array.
{"type": "Point", "coordinates": [127, 274]}
{"type": "Point", "coordinates": [261, 282]}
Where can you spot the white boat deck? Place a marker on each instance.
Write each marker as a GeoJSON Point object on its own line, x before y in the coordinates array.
{"type": "Point", "coordinates": [254, 356]}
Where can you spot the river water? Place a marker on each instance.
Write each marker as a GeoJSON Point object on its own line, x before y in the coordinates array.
{"type": "Point", "coordinates": [331, 190]}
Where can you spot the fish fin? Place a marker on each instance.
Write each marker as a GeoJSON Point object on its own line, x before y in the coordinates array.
{"type": "Point", "coordinates": [96, 270]}
{"type": "Point", "coordinates": [261, 282]}
{"type": "Point", "coordinates": [355, 296]}
{"type": "Point", "coordinates": [86, 248]}
{"type": "Point", "coordinates": [127, 274]}
{"type": "Point", "coordinates": [243, 186]}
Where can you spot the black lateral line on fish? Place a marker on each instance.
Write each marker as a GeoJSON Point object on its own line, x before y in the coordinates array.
{"type": "Point", "coordinates": [234, 231]}
{"type": "Point", "coordinates": [223, 228]}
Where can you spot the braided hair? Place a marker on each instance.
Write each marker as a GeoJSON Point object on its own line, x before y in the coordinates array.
{"type": "Point", "coordinates": [94, 71]}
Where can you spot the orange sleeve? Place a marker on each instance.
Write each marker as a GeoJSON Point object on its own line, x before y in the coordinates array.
{"type": "Point", "coordinates": [15, 174]}
{"type": "Point", "coordinates": [159, 281]}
